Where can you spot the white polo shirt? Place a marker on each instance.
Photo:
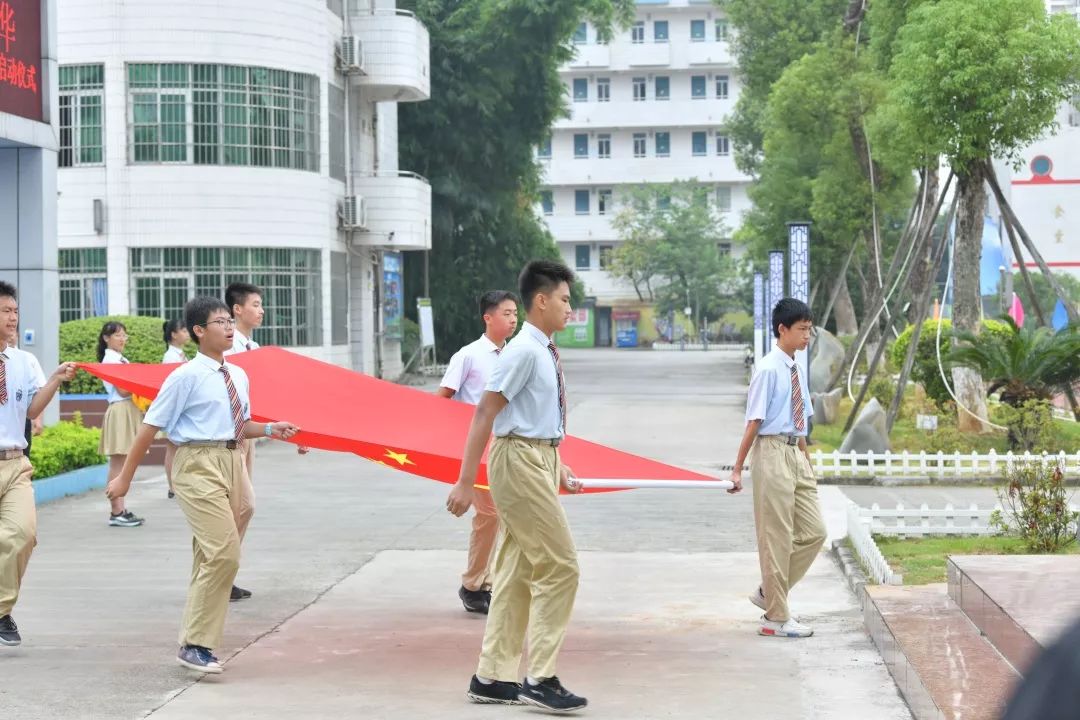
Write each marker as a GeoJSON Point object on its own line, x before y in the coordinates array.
{"type": "Point", "coordinates": [527, 377]}
{"type": "Point", "coordinates": [113, 358]}
{"type": "Point", "coordinates": [769, 396]}
{"type": "Point", "coordinates": [24, 379]}
{"type": "Point", "coordinates": [173, 354]}
{"type": "Point", "coordinates": [193, 403]}
{"type": "Point", "coordinates": [241, 343]}
{"type": "Point", "coordinates": [469, 370]}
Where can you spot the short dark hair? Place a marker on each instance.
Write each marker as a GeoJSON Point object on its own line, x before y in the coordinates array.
{"type": "Point", "coordinates": [238, 292]}
{"type": "Point", "coordinates": [8, 290]}
{"type": "Point", "coordinates": [492, 299]}
{"type": "Point", "coordinates": [542, 276]}
{"type": "Point", "coordinates": [197, 312]}
{"type": "Point", "coordinates": [110, 328]}
{"type": "Point", "coordinates": [788, 312]}
{"type": "Point", "coordinates": [169, 327]}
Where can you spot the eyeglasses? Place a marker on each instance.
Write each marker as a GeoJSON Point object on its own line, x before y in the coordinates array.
{"type": "Point", "coordinates": [223, 322]}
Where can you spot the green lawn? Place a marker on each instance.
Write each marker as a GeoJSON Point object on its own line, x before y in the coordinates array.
{"type": "Point", "coordinates": [922, 560]}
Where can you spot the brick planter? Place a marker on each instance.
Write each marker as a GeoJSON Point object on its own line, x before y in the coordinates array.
{"type": "Point", "coordinates": [92, 408]}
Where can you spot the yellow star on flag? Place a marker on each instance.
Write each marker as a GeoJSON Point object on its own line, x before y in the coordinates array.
{"type": "Point", "coordinates": [400, 458]}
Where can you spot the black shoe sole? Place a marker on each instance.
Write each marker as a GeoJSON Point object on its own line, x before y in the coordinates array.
{"type": "Point", "coordinates": [485, 700]}
{"type": "Point", "coordinates": [525, 699]}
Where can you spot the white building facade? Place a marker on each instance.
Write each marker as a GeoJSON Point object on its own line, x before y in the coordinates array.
{"type": "Point", "coordinates": [203, 143]}
{"type": "Point", "coordinates": [646, 107]}
{"type": "Point", "coordinates": [1045, 191]}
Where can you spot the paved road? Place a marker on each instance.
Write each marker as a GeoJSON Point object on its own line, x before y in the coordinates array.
{"type": "Point", "coordinates": [355, 568]}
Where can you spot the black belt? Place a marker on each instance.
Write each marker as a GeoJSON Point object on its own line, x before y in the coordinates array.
{"type": "Point", "coordinates": [786, 439]}
{"type": "Point", "coordinates": [547, 442]}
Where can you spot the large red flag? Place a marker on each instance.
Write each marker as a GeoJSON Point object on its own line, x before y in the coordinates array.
{"type": "Point", "coordinates": [394, 425]}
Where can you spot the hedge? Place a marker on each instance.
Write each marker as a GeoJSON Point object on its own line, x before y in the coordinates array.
{"type": "Point", "coordinates": [78, 343]}
{"type": "Point", "coordinates": [925, 370]}
{"type": "Point", "coordinates": [63, 447]}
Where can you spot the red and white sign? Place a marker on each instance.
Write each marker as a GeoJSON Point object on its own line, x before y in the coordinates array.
{"type": "Point", "coordinates": [20, 58]}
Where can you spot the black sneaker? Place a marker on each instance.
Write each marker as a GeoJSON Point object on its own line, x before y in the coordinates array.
{"type": "Point", "coordinates": [125, 519]}
{"type": "Point", "coordinates": [9, 632]}
{"type": "Point", "coordinates": [477, 601]}
{"type": "Point", "coordinates": [497, 692]}
{"type": "Point", "coordinates": [171, 495]}
{"type": "Point", "coordinates": [239, 593]}
{"type": "Point", "coordinates": [199, 659]}
{"type": "Point", "coordinates": [551, 695]}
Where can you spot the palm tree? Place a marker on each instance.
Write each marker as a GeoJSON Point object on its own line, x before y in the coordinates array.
{"type": "Point", "coordinates": [1026, 364]}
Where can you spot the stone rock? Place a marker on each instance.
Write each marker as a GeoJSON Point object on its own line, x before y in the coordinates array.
{"type": "Point", "coordinates": [868, 433]}
{"type": "Point", "coordinates": [826, 406]}
{"type": "Point", "coordinates": [826, 357]}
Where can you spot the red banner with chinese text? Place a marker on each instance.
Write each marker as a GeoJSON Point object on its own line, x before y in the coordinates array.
{"type": "Point", "coordinates": [20, 58]}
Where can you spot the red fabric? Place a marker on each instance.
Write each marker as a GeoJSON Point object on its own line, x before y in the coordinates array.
{"type": "Point", "coordinates": [394, 425]}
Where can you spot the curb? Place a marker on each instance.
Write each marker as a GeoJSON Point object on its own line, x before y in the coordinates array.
{"type": "Point", "coordinates": [75, 482]}
{"type": "Point", "coordinates": [853, 572]}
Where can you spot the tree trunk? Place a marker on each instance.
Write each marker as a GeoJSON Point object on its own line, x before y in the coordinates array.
{"type": "Point", "coordinates": [846, 323]}
{"type": "Point", "coordinates": [967, 300]}
{"type": "Point", "coordinates": [923, 275]}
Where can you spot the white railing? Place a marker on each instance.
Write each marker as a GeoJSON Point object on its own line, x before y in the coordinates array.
{"type": "Point", "coordinates": [939, 464]}
{"type": "Point", "coordinates": [916, 522]}
{"type": "Point", "coordinates": [870, 556]}
{"type": "Point", "coordinates": [923, 521]}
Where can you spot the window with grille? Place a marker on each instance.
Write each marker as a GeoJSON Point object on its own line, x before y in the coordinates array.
{"type": "Point", "coordinates": [82, 120]}
{"type": "Point", "coordinates": [84, 289]}
{"type": "Point", "coordinates": [163, 279]}
{"type": "Point", "coordinates": [206, 114]}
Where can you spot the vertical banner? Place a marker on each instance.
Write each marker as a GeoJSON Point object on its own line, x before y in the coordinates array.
{"type": "Point", "coordinates": [799, 260]}
{"type": "Point", "coordinates": [759, 315]}
{"type": "Point", "coordinates": [393, 296]}
{"type": "Point", "coordinates": [427, 322]}
{"type": "Point", "coordinates": [774, 294]}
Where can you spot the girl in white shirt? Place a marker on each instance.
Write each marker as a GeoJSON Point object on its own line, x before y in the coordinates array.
{"type": "Point", "coordinates": [176, 336]}
{"type": "Point", "coordinates": [121, 422]}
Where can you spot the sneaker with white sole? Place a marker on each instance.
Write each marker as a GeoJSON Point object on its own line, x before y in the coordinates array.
{"type": "Point", "coordinates": [789, 629]}
{"type": "Point", "coordinates": [758, 598]}
{"type": "Point", "coordinates": [199, 659]}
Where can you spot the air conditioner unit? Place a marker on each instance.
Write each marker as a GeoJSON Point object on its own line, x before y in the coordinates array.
{"type": "Point", "coordinates": [351, 55]}
{"type": "Point", "coordinates": [353, 213]}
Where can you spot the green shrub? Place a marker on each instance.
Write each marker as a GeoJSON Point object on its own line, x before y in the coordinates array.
{"type": "Point", "coordinates": [63, 447]}
{"type": "Point", "coordinates": [1031, 426]}
{"type": "Point", "coordinates": [410, 341]}
{"type": "Point", "coordinates": [78, 343]}
{"type": "Point", "coordinates": [1036, 508]}
{"type": "Point", "coordinates": [925, 370]}
{"type": "Point", "coordinates": [883, 388]}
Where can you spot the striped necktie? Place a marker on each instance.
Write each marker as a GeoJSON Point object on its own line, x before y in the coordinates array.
{"type": "Point", "coordinates": [234, 404]}
{"type": "Point", "coordinates": [3, 379]}
{"type": "Point", "coordinates": [562, 385]}
{"type": "Point", "coordinates": [797, 408]}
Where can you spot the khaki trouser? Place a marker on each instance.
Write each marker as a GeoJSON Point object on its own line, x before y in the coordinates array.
{"type": "Point", "coordinates": [485, 531]}
{"type": "Point", "coordinates": [18, 528]}
{"type": "Point", "coordinates": [536, 570]}
{"type": "Point", "coordinates": [790, 530]}
{"type": "Point", "coordinates": [214, 492]}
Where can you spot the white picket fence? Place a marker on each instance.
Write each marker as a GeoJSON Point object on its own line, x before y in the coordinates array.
{"type": "Point", "coordinates": [869, 554]}
{"type": "Point", "coordinates": [939, 464]}
{"type": "Point", "coordinates": [922, 521]}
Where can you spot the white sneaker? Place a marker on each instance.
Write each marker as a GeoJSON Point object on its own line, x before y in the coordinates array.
{"type": "Point", "coordinates": [790, 629]}
{"type": "Point", "coordinates": [758, 598]}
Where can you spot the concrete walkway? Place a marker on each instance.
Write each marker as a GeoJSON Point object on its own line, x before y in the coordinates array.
{"type": "Point", "coordinates": [355, 570]}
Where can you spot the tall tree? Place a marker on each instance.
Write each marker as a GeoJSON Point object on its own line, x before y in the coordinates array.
{"type": "Point", "coordinates": [495, 93]}
{"type": "Point", "coordinates": [769, 36]}
{"type": "Point", "coordinates": [971, 80]}
{"type": "Point", "coordinates": [674, 231]}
